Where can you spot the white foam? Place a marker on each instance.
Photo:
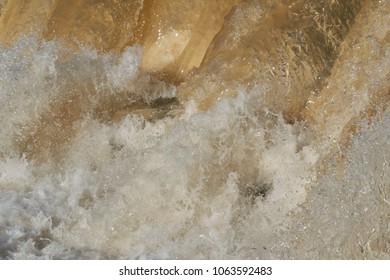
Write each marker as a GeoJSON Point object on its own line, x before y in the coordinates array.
{"type": "Point", "coordinates": [177, 187]}
{"type": "Point", "coordinates": [233, 182]}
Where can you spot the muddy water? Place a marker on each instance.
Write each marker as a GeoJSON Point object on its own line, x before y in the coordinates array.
{"type": "Point", "coordinates": [194, 130]}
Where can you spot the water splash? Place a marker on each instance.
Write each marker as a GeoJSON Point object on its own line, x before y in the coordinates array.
{"type": "Point", "coordinates": [99, 160]}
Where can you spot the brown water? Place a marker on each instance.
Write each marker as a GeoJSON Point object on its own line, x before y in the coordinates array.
{"type": "Point", "coordinates": [194, 129]}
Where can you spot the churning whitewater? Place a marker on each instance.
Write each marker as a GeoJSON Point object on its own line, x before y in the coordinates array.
{"type": "Point", "coordinates": [192, 144]}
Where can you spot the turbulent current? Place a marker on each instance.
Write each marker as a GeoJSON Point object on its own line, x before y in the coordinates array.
{"type": "Point", "coordinates": [191, 129]}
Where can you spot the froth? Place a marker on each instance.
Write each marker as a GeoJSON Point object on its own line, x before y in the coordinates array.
{"type": "Point", "coordinates": [185, 187]}
{"type": "Point", "coordinates": [98, 160]}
